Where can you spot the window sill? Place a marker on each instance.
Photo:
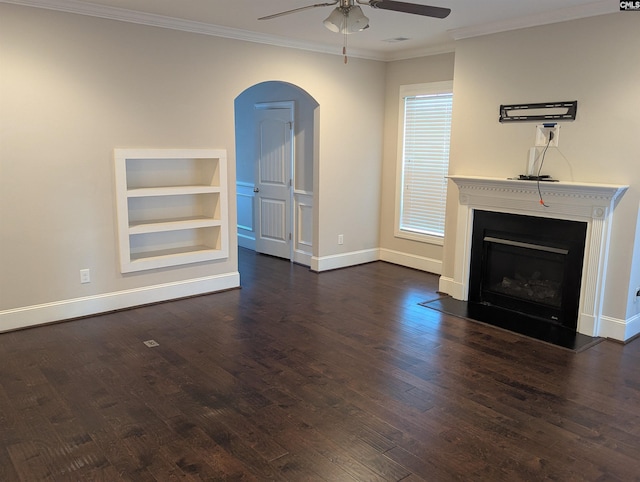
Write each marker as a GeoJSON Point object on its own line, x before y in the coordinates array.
{"type": "Point", "coordinates": [421, 238]}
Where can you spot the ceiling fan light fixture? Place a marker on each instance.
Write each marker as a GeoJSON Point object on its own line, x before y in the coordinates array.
{"type": "Point", "coordinates": [347, 20]}
{"type": "Point", "coordinates": [335, 20]}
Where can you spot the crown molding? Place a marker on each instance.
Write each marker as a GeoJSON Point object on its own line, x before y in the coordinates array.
{"type": "Point", "coordinates": [154, 20]}
{"type": "Point", "coordinates": [407, 54]}
{"type": "Point", "coordinates": [601, 7]}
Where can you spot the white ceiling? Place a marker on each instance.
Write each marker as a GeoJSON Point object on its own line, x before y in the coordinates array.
{"type": "Point", "coordinates": [239, 19]}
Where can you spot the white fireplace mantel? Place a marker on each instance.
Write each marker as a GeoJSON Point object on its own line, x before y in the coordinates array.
{"type": "Point", "coordinates": [587, 202]}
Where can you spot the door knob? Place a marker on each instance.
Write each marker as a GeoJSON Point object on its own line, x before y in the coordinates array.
{"type": "Point", "coordinates": [255, 189]}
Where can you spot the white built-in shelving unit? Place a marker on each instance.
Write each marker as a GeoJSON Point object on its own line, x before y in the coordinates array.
{"type": "Point", "coordinates": [171, 207]}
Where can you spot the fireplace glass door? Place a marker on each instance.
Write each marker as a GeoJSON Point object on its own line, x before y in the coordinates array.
{"type": "Point", "coordinates": [524, 276]}
{"type": "Point", "coordinates": [528, 265]}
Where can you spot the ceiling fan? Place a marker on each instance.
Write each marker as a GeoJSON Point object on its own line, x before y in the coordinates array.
{"type": "Point", "coordinates": [348, 18]}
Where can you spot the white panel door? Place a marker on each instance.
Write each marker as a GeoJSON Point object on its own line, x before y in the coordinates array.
{"type": "Point", "coordinates": [273, 181]}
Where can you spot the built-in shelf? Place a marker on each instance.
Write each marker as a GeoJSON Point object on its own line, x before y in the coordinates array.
{"type": "Point", "coordinates": [171, 206]}
{"type": "Point", "coordinates": [172, 225]}
{"type": "Point", "coordinates": [171, 191]}
{"type": "Point", "coordinates": [200, 251]}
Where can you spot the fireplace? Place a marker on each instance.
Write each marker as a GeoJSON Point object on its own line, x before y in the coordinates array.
{"type": "Point", "coordinates": [530, 266]}
{"type": "Point", "coordinates": [589, 204]}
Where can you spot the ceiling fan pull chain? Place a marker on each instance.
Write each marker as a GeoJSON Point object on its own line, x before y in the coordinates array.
{"type": "Point", "coordinates": [344, 48]}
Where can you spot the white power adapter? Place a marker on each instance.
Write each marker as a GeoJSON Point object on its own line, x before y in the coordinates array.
{"type": "Point", "coordinates": [547, 134]}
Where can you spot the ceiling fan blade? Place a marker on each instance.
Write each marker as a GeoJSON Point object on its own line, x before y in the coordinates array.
{"type": "Point", "coordinates": [426, 10]}
{"type": "Point", "coordinates": [268, 17]}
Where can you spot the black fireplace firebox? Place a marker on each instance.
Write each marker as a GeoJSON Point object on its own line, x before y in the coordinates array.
{"type": "Point", "coordinates": [528, 266]}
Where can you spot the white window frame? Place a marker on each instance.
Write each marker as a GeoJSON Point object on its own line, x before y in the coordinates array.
{"type": "Point", "coordinates": [430, 88]}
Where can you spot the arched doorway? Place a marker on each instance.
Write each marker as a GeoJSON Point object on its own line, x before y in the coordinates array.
{"type": "Point", "coordinates": [274, 120]}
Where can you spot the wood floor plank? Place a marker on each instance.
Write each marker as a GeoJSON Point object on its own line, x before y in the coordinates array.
{"type": "Point", "coordinates": [7, 469]}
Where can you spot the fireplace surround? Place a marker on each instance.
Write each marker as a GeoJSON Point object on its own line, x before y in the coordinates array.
{"type": "Point", "coordinates": [589, 204]}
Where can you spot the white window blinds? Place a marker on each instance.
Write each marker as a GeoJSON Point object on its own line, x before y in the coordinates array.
{"type": "Point", "coordinates": [425, 162]}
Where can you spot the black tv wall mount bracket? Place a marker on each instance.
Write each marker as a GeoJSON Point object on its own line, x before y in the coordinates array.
{"type": "Point", "coordinates": [552, 111]}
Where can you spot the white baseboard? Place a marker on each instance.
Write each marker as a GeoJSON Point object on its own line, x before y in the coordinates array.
{"type": "Point", "coordinates": [587, 324]}
{"type": "Point", "coordinates": [452, 288]}
{"type": "Point", "coordinates": [245, 241]}
{"type": "Point", "coordinates": [302, 258]}
{"type": "Point", "coordinates": [344, 260]}
{"type": "Point", "coordinates": [91, 305]}
{"type": "Point", "coordinates": [411, 261]}
{"type": "Point", "coordinates": [617, 329]}
{"type": "Point", "coordinates": [354, 258]}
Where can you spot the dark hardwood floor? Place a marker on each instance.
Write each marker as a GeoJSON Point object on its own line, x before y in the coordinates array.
{"type": "Point", "coordinates": [338, 376]}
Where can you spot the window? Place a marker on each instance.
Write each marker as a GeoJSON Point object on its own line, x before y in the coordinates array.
{"type": "Point", "coordinates": [423, 161]}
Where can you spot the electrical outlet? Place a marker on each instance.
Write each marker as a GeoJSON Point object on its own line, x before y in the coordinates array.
{"type": "Point", "coordinates": [85, 276]}
{"type": "Point", "coordinates": [340, 239]}
{"type": "Point", "coordinates": [543, 131]}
